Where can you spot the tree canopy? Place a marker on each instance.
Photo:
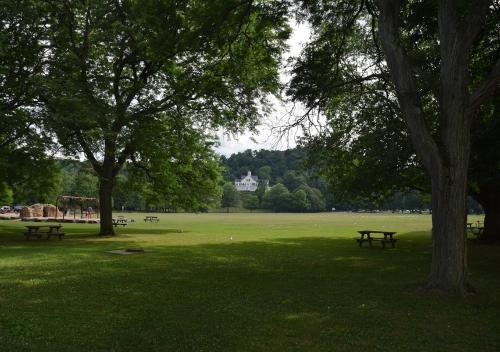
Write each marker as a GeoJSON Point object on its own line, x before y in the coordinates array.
{"type": "Point", "coordinates": [419, 60]}
{"type": "Point", "coordinates": [122, 77]}
{"type": "Point", "coordinates": [230, 196]}
{"type": "Point", "coordinates": [27, 171]}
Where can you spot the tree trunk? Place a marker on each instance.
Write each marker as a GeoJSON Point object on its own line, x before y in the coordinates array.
{"type": "Point", "coordinates": [445, 152]}
{"type": "Point", "coordinates": [446, 158]}
{"type": "Point", "coordinates": [489, 198]}
{"type": "Point", "coordinates": [449, 255]}
{"type": "Point", "coordinates": [106, 201]}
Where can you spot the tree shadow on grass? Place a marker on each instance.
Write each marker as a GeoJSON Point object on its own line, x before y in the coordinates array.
{"type": "Point", "coordinates": [145, 231]}
{"type": "Point", "coordinates": [15, 236]}
{"type": "Point", "coordinates": [304, 294]}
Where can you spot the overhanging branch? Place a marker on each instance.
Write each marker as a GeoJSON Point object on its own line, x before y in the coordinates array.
{"type": "Point", "coordinates": [88, 152]}
{"type": "Point", "coordinates": [405, 85]}
{"type": "Point", "coordinates": [486, 88]}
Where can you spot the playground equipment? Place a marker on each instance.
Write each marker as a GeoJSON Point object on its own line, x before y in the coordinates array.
{"type": "Point", "coordinates": [84, 204]}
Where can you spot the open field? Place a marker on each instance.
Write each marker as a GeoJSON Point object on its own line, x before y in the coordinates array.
{"type": "Point", "coordinates": [240, 282]}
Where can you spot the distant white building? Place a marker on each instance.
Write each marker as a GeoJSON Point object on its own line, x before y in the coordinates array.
{"type": "Point", "coordinates": [248, 183]}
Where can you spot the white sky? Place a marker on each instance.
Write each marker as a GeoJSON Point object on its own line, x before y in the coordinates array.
{"type": "Point", "coordinates": [265, 139]}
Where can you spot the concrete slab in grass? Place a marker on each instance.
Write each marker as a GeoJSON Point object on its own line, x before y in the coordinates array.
{"type": "Point", "coordinates": [126, 251]}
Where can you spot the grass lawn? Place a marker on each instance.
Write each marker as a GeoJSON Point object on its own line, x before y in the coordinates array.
{"type": "Point", "coordinates": [240, 282]}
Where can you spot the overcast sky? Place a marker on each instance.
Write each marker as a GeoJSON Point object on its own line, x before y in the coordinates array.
{"type": "Point", "coordinates": [265, 139]}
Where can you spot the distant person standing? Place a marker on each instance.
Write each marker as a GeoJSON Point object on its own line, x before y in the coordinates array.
{"type": "Point", "coordinates": [89, 212]}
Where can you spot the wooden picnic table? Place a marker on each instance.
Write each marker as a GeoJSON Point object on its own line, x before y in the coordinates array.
{"type": "Point", "coordinates": [151, 218]}
{"type": "Point", "coordinates": [478, 231]}
{"type": "Point", "coordinates": [388, 237]}
{"type": "Point", "coordinates": [120, 221]}
{"type": "Point", "coordinates": [38, 230]}
{"type": "Point", "coordinates": [475, 228]}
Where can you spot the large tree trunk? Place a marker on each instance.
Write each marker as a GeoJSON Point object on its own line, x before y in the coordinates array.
{"type": "Point", "coordinates": [446, 157]}
{"type": "Point", "coordinates": [106, 200]}
{"type": "Point", "coordinates": [449, 258]}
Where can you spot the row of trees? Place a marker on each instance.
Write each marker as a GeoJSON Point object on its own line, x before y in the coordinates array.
{"type": "Point", "coordinates": [276, 198]}
{"type": "Point", "coordinates": [295, 187]}
{"type": "Point", "coordinates": [266, 164]}
{"type": "Point", "coordinates": [133, 191]}
{"type": "Point", "coordinates": [343, 184]}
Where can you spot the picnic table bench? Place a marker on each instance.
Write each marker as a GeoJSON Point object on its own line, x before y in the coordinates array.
{"type": "Point", "coordinates": [120, 221]}
{"type": "Point", "coordinates": [369, 238]}
{"type": "Point", "coordinates": [476, 229]}
{"type": "Point", "coordinates": [151, 219]}
{"type": "Point", "coordinates": [37, 231]}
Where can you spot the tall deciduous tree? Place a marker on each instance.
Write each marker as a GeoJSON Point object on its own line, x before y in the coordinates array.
{"type": "Point", "coordinates": [484, 170]}
{"type": "Point", "coordinates": [230, 196]}
{"type": "Point", "coordinates": [121, 69]}
{"type": "Point", "coordinates": [27, 171]}
{"type": "Point", "coordinates": [274, 198]}
{"type": "Point", "coordinates": [409, 44]}
{"type": "Point", "coordinates": [446, 158]}
{"type": "Point", "coordinates": [347, 153]}
{"type": "Point", "coordinates": [21, 30]}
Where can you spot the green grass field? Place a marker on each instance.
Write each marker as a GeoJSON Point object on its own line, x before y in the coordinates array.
{"type": "Point", "coordinates": [240, 282]}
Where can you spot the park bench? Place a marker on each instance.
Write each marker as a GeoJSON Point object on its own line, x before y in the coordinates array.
{"type": "Point", "coordinates": [37, 231]}
{"type": "Point", "coordinates": [151, 219]}
{"type": "Point", "coordinates": [387, 239]}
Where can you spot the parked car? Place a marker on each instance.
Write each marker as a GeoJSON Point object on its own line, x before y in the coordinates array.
{"type": "Point", "coordinates": [17, 208]}
{"type": "Point", "coordinates": [4, 209]}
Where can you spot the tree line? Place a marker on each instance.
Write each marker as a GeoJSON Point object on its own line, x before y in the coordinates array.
{"type": "Point", "coordinates": [299, 183]}
{"type": "Point", "coordinates": [294, 186]}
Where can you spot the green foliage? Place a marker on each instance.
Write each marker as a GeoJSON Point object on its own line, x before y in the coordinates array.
{"type": "Point", "coordinates": [177, 165]}
{"type": "Point", "coordinates": [21, 28]}
{"type": "Point", "coordinates": [230, 196]}
{"type": "Point", "coordinates": [30, 174]}
{"type": "Point", "coordinates": [249, 200]}
{"type": "Point", "coordinates": [314, 201]}
{"type": "Point", "coordinates": [299, 201]}
{"type": "Point", "coordinates": [6, 194]}
{"type": "Point", "coordinates": [130, 190]}
{"type": "Point", "coordinates": [287, 167]}
{"type": "Point", "coordinates": [303, 199]}
{"type": "Point", "coordinates": [141, 82]}
{"type": "Point", "coordinates": [25, 167]}
{"type": "Point", "coordinates": [78, 179]}
{"type": "Point", "coordinates": [266, 164]}
{"type": "Point", "coordinates": [276, 198]}
{"type": "Point", "coordinates": [136, 65]}
{"type": "Point", "coordinates": [349, 187]}
{"type": "Point", "coordinates": [264, 172]}
{"type": "Point", "coordinates": [261, 190]}
{"type": "Point", "coordinates": [364, 151]}
{"type": "Point", "coordinates": [293, 181]}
